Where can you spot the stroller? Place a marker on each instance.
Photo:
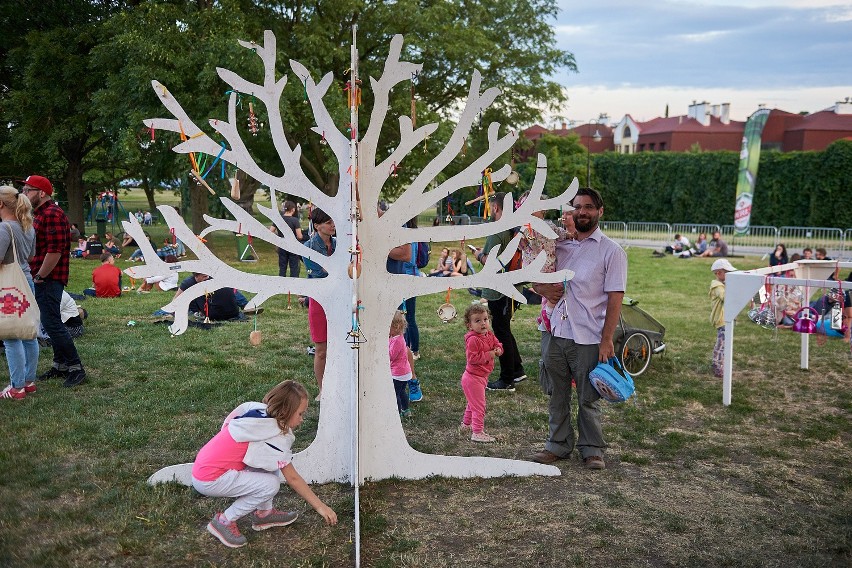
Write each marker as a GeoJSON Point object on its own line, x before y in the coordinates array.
{"type": "Point", "coordinates": [637, 337]}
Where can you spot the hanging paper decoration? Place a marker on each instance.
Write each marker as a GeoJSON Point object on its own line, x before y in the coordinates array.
{"type": "Point", "coordinates": [323, 141]}
{"type": "Point", "coordinates": [394, 171]}
{"type": "Point", "coordinates": [354, 337]}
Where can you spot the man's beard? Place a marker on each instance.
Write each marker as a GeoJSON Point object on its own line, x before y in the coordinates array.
{"type": "Point", "coordinates": [585, 225]}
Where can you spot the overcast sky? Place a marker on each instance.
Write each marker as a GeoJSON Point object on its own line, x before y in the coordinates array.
{"type": "Point", "coordinates": [636, 56]}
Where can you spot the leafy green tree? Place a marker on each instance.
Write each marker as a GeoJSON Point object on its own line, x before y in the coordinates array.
{"type": "Point", "coordinates": [510, 41]}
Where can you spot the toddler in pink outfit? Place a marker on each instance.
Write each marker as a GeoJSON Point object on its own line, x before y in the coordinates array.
{"type": "Point", "coordinates": [401, 363]}
{"type": "Point", "coordinates": [481, 347]}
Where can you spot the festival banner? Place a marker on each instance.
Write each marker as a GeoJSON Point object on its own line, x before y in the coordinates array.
{"type": "Point", "coordinates": [747, 176]}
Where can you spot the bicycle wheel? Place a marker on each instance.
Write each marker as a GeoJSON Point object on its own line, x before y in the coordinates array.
{"type": "Point", "coordinates": [636, 353]}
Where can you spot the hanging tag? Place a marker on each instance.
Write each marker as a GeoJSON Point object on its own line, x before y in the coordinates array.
{"type": "Point", "coordinates": [235, 188]}
{"type": "Point", "coordinates": [836, 317]}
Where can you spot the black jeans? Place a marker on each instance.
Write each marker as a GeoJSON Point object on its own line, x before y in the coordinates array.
{"type": "Point", "coordinates": [48, 296]}
{"type": "Point", "coordinates": [288, 259]}
{"type": "Point", "coordinates": [501, 320]}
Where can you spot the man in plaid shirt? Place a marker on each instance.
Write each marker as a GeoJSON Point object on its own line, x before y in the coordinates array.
{"type": "Point", "coordinates": [49, 268]}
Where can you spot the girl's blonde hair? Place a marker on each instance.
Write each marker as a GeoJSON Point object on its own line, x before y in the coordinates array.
{"type": "Point", "coordinates": [283, 401]}
{"type": "Point", "coordinates": [20, 204]}
{"type": "Point", "coordinates": [475, 309]}
{"type": "Point", "coordinates": [398, 324]}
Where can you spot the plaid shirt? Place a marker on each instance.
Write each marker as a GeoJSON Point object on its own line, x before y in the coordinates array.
{"type": "Point", "coordinates": [53, 234]}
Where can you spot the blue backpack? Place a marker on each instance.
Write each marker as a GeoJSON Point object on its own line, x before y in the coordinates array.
{"type": "Point", "coordinates": [422, 255]}
{"type": "Point", "coordinates": [612, 382]}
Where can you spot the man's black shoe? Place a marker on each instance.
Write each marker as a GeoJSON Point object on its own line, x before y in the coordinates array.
{"type": "Point", "coordinates": [74, 378]}
{"type": "Point", "coordinates": [53, 373]}
{"type": "Point", "coordinates": [500, 386]}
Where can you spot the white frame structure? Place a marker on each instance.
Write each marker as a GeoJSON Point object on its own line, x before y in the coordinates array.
{"type": "Point", "coordinates": [741, 286]}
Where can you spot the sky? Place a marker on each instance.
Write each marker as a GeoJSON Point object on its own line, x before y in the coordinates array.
{"type": "Point", "coordinates": [637, 56]}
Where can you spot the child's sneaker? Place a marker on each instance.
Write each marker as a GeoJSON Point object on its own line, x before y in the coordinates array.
{"type": "Point", "coordinates": [545, 319]}
{"type": "Point", "coordinates": [482, 437]}
{"type": "Point", "coordinates": [228, 533]}
{"type": "Point", "coordinates": [275, 518]}
{"type": "Point", "coordinates": [405, 413]}
{"type": "Point", "coordinates": [415, 394]}
{"type": "Point", "coordinates": [13, 393]}
{"type": "Point", "coordinates": [464, 428]}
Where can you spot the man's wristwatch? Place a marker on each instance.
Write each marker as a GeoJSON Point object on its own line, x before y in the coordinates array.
{"type": "Point", "coordinates": [38, 278]}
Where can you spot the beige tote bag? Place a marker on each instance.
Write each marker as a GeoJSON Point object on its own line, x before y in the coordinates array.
{"type": "Point", "coordinates": [19, 314]}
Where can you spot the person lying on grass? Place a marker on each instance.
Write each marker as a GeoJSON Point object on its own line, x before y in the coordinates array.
{"type": "Point", "coordinates": [243, 459]}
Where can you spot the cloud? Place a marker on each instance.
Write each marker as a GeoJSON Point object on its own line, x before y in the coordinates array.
{"type": "Point", "coordinates": [707, 44]}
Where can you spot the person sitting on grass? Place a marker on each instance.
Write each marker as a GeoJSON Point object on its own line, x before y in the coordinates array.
{"type": "Point", "coordinates": [445, 264]}
{"type": "Point", "coordinates": [106, 279]}
{"type": "Point", "coordinates": [243, 461]}
{"type": "Point", "coordinates": [72, 317]}
{"type": "Point", "coordinates": [164, 282]}
{"type": "Point", "coordinates": [110, 245]}
{"type": "Point", "coordinates": [214, 305]}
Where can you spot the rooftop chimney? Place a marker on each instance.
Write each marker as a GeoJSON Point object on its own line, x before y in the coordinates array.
{"type": "Point", "coordinates": [725, 117]}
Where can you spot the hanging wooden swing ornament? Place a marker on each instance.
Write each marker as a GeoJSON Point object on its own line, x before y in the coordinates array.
{"type": "Point", "coordinates": [206, 306]}
{"type": "Point", "coordinates": [254, 336]}
{"type": "Point", "coordinates": [447, 312]}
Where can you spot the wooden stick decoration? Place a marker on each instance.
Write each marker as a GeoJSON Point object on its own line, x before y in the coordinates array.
{"type": "Point", "coordinates": [200, 180]}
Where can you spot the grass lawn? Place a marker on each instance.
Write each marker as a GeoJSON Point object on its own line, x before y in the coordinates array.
{"type": "Point", "coordinates": [764, 482]}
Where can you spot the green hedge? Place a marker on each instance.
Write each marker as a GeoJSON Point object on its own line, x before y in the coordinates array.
{"type": "Point", "coordinates": [793, 188]}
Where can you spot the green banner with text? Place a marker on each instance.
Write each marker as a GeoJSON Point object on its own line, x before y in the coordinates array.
{"type": "Point", "coordinates": [747, 175]}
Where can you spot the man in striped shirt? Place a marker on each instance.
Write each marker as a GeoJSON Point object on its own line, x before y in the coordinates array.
{"type": "Point", "coordinates": [583, 323]}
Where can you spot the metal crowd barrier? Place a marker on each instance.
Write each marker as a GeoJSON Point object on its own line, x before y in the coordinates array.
{"type": "Point", "coordinates": [649, 234]}
{"type": "Point", "coordinates": [797, 238]}
{"type": "Point", "coordinates": [692, 230]}
{"type": "Point", "coordinates": [616, 230]}
{"type": "Point", "coordinates": [760, 240]}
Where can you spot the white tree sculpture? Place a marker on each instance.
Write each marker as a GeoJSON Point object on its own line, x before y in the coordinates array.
{"type": "Point", "coordinates": [359, 436]}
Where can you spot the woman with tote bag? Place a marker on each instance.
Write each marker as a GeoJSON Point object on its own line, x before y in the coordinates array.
{"type": "Point", "coordinates": [21, 354]}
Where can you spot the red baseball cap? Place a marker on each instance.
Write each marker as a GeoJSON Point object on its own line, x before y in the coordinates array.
{"type": "Point", "coordinates": [39, 182]}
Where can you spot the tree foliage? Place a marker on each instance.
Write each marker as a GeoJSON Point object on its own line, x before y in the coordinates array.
{"type": "Point", "coordinates": [101, 56]}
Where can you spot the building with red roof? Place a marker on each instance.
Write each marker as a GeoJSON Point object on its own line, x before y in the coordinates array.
{"type": "Point", "coordinates": [707, 127]}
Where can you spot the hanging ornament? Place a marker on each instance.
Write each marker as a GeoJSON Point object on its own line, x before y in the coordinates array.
{"type": "Point", "coordinates": [323, 141]}
{"type": "Point", "coordinates": [464, 147]}
{"type": "Point", "coordinates": [413, 104]}
{"type": "Point", "coordinates": [305, 83]}
{"type": "Point", "coordinates": [394, 171]}
{"type": "Point", "coordinates": [447, 312]}
{"type": "Point", "coordinates": [254, 336]}
{"type": "Point", "coordinates": [289, 307]}
{"type": "Point", "coordinates": [354, 337]}
{"type": "Point", "coordinates": [252, 120]}
{"type": "Point", "coordinates": [235, 186]}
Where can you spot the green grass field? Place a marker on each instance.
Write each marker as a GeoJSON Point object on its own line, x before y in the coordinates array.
{"type": "Point", "coordinates": [764, 482]}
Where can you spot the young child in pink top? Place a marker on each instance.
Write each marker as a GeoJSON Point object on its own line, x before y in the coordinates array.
{"type": "Point", "coordinates": [532, 244]}
{"type": "Point", "coordinates": [246, 458]}
{"type": "Point", "coordinates": [401, 363]}
{"type": "Point", "coordinates": [481, 347]}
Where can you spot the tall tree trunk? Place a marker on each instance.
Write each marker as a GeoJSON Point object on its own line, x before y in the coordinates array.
{"type": "Point", "coordinates": [149, 193]}
{"type": "Point", "coordinates": [198, 205]}
{"type": "Point", "coordinates": [248, 188]}
{"type": "Point", "coordinates": [74, 190]}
